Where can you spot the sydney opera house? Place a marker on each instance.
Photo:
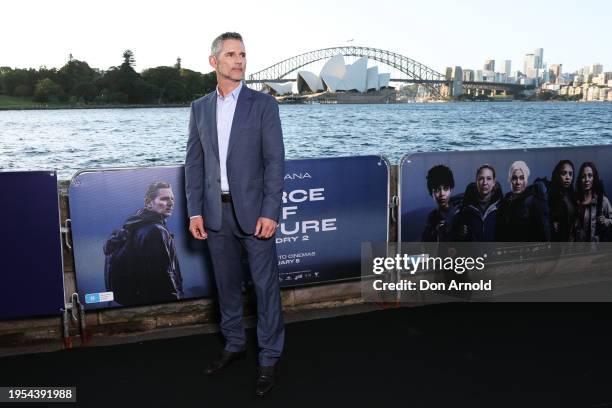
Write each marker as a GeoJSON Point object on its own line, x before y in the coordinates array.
{"type": "Point", "coordinates": [336, 76]}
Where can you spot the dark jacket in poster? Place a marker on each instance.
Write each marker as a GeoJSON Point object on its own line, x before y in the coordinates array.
{"type": "Point", "coordinates": [563, 214]}
{"type": "Point", "coordinates": [141, 262]}
{"type": "Point", "coordinates": [524, 217]}
{"type": "Point", "coordinates": [474, 223]}
{"type": "Point", "coordinates": [438, 225]}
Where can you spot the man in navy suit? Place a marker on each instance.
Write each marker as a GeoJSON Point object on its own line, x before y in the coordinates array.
{"type": "Point", "coordinates": [234, 182]}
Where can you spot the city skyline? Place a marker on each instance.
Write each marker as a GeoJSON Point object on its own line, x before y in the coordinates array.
{"type": "Point", "coordinates": [463, 35]}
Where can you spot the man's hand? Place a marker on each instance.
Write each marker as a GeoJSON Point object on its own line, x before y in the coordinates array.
{"type": "Point", "coordinates": [196, 227]}
{"type": "Point", "coordinates": [265, 228]}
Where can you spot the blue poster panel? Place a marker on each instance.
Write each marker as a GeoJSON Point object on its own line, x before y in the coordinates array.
{"type": "Point", "coordinates": [523, 195]}
{"type": "Point", "coordinates": [131, 240]}
{"type": "Point", "coordinates": [329, 207]}
{"type": "Point", "coordinates": [33, 279]}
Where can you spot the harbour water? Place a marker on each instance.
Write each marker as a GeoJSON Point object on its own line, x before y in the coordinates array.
{"type": "Point", "coordinates": [69, 140]}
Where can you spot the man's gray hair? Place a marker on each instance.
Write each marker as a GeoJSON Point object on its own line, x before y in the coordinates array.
{"type": "Point", "coordinates": [215, 48]}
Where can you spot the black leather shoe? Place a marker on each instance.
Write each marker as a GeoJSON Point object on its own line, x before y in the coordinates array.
{"type": "Point", "coordinates": [265, 380]}
{"type": "Point", "coordinates": [227, 357]}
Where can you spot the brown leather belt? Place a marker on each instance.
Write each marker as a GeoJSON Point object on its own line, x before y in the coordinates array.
{"type": "Point", "coordinates": [226, 198]}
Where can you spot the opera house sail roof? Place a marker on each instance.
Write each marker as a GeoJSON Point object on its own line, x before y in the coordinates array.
{"type": "Point", "coordinates": [309, 82]}
{"type": "Point", "coordinates": [280, 89]}
{"type": "Point", "coordinates": [336, 76]}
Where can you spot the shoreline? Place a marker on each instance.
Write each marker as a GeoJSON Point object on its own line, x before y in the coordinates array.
{"type": "Point", "coordinates": [58, 107]}
{"type": "Point", "coordinates": [186, 105]}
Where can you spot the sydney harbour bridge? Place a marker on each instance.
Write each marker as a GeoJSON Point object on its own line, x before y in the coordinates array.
{"type": "Point", "coordinates": [414, 71]}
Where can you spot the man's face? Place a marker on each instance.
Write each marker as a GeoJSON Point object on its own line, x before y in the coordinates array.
{"type": "Point", "coordinates": [485, 182]}
{"type": "Point", "coordinates": [567, 175]}
{"type": "Point", "coordinates": [163, 203]}
{"type": "Point", "coordinates": [230, 62]}
{"type": "Point", "coordinates": [441, 195]}
{"type": "Point", "coordinates": [587, 178]}
{"type": "Point", "coordinates": [518, 181]}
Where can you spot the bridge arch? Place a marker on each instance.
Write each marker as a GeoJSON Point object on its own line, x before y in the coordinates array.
{"type": "Point", "coordinates": [413, 69]}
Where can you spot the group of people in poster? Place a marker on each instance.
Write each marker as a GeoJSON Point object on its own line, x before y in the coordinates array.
{"type": "Point", "coordinates": [570, 207]}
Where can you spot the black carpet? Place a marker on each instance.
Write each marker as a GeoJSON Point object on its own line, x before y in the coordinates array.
{"type": "Point", "coordinates": [453, 355]}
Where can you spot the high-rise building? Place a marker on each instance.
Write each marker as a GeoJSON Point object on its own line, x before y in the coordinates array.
{"type": "Point", "coordinates": [501, 77]}
{"type": "Point", "coordinates": [566, 78]}
{"type": "Point", "coordinates": [543, 74]}
{"type": "Point", "coordinates": [488, 76]}
{"type": "Point", "coordinates": [457, 81]}
{"type": "Point", "coordinates": [449, 74]}
{"type": "Point", "coordinates": [539, 58]}
{"type": "Point", "coordinates": [555, 72]}
{"type": "Point", "coordinates": [603, 78]}
{"type": "Point", "coordinates": [507, 67]}
{"type": "Point", "coordinates": [468, 75]}
{"type": "Point", "coordinates": [596, 69]}
{"type": "Point", "coordinates": [457, 73]}
{"type": "Point", "coordinates": [489, 65]}
{"type": "Point", "coordinates": [584, 71]}
{"type": "Point", "coordinates": [528, 64]}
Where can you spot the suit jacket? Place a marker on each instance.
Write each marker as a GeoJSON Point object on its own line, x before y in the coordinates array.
{"type": "Point", "coordinates": [255, 160]}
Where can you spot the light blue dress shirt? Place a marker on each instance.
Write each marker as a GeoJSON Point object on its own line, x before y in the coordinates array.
{"type": "Point", "coordinates": [226, 106]}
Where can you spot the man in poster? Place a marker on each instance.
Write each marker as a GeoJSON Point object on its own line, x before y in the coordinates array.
{"type": "Point", "coordinates": [141, 264]}
{"type": "Point", "coordinates": [234, 181]}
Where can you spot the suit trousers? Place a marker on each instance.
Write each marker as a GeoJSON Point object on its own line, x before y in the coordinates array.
{"type": "Point", "coordinates": [225, 247]}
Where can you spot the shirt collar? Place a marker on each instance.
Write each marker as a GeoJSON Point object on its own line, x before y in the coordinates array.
{"type": "Point", "coordinates": [234, 94]}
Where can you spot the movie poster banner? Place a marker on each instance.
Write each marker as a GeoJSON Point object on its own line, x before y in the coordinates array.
{"type": "Point", "coordinates": [132, 245]}
{"type": "Point", "coordinates": [33, 277]}
{"type": "Point", "coordinates": [528, 219]}
{"type": "Point", "coordinates": [329, 207]}
{"type": "Point", "coordinates": [131, 240]}
{"type": "Point", "coordinates": [549, 175]}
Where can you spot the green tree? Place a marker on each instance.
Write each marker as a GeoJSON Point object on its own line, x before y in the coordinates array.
{"type": "Point", "coordinates": [73, 73]}
{"type": "Point", "coordinates": [110, 87]}
{"type": "Point", "coordinates": [128, 58]}
{"type": "Point", "coordinates": [47, 90]}
{"type": "Point", "coordinates": [129, 83]}
{"type": "Point", "coordinates": [161, 77]}
{"type": "Point", "coordinates": [105, 82]}
{"type": "Point", "coordinates": [22, 91]}
{"type": "Point", "coordinates": [210, 82]}
{"type": "Point", "coordinates": [13, 78]}
{"type": "Point", "coordinates": [174, 92]}
{"type": "Point", "coordinates": [86, 91]}
{"type": "Point", "coordinates": [149, 92]}
{"type": "Point", "coordinates": [119, 83]}
{"type": "Point", "coordinates": [3, 72]}
{"type": "Point", "coordinates": [194, 84]}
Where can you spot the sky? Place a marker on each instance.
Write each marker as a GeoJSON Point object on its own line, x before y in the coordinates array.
{"type": "Point", "coordinates": [436, 33]}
